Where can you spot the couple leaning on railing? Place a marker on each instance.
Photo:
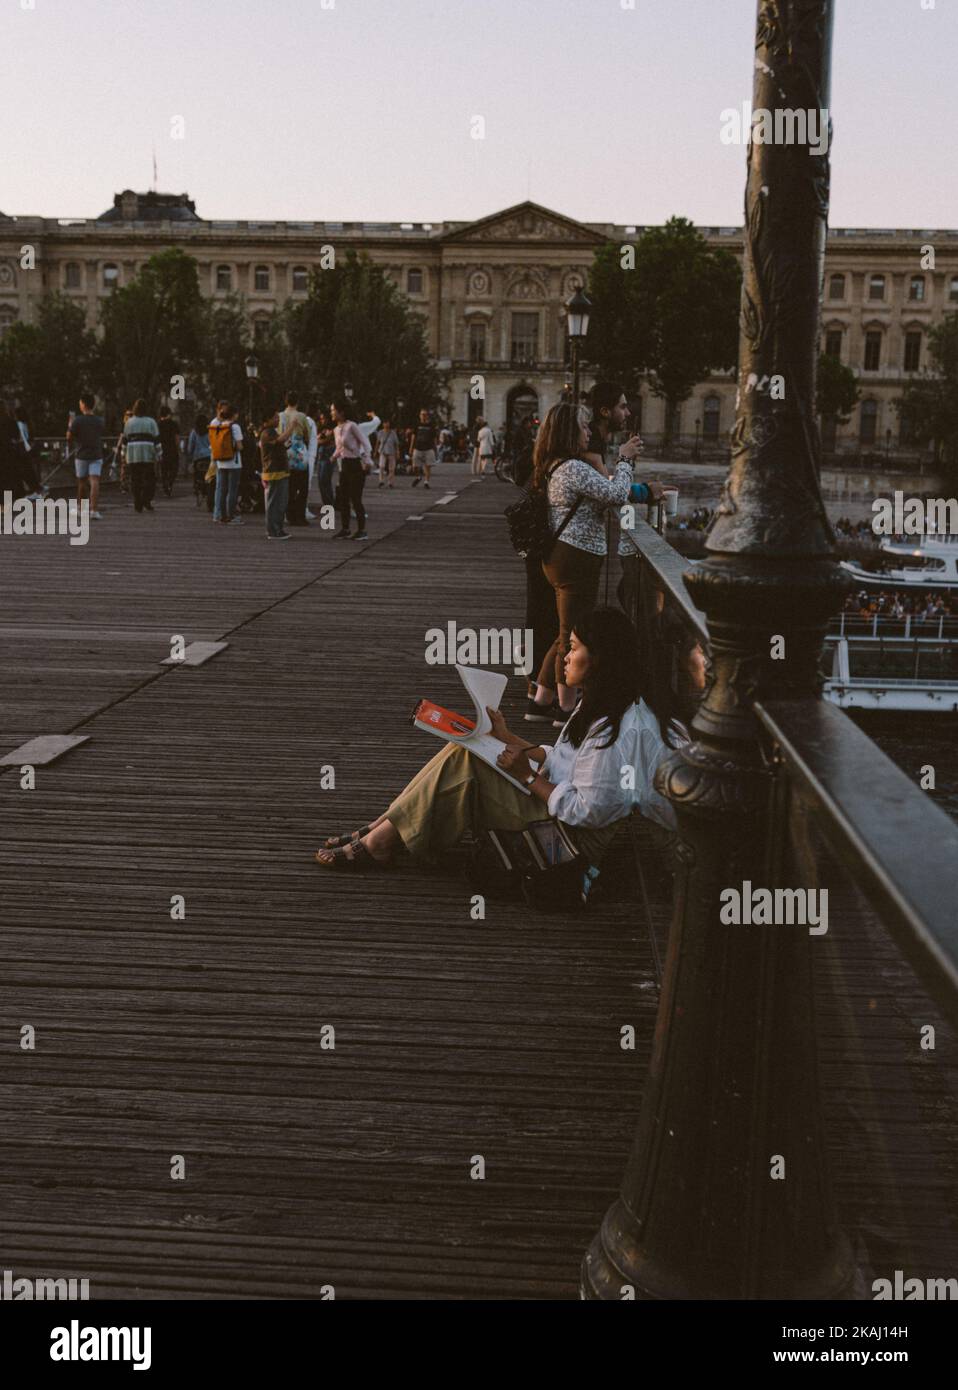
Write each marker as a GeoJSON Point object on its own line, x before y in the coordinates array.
{"type": "Point", "coordinates": [616, 728]}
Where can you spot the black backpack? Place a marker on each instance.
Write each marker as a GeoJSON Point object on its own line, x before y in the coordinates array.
{"type": "Point", "coordinates": [528, 521]}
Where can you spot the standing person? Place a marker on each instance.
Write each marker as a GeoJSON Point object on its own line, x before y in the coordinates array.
{"type": "Point", "coordinates": [9, 454]}
{"type": "Point", "coordinates": [311, 452]}
{"type": "Point", "coordinates": [388, 444]}
{"type": "Point", "coordinates": [170, 445]}
{"type": "Point", "coordinates": [198, 456]}
{"type": "Point", "coordinates": [28, 470]}
{"type": "Point", "coordinates": [327, 464]}
{"type": "Point", "coordinates": [274, 470]}
{"type": "Point", "coordinates": [141, 436]}
{"type": "Point", "coordinates": [294, 426]}
{"type": "Point", "coordinates": [579, 495]}
{"type": "Point", "coordinates": [226, 442]}
{"type": "Point", "coordinates": [485, 447]}
{"type": "Point", "coordinates": [423, 449]}
{"type": "Point", "coordinates": [352, 451]}
{"type": "Point", "coordinates": [86, 431]}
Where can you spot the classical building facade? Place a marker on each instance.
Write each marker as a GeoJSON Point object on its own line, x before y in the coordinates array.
{"type": "Point", "coordinates": [492, 294]}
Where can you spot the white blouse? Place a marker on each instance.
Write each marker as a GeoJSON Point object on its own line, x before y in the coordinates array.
{"type": "Point", "coordinates": [576, 478]}
{"type": "Point", "coordinates": [595, 786]}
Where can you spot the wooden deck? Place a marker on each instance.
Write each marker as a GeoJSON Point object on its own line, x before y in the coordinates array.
{"type": "Point", "coordinates": [453, 1038]}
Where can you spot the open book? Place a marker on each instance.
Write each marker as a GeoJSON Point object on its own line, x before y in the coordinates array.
{"type": "Point", "coordinates": [484, 688]}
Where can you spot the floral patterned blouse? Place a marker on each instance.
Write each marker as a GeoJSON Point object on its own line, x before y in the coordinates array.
{"type": "Point", "coordinates": [576, 478]}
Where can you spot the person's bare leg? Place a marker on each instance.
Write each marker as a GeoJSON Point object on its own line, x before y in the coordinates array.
{"type": "Point", "coordinates": [382, 839]}
{"type": "Point", "coordinates": [94, 493]}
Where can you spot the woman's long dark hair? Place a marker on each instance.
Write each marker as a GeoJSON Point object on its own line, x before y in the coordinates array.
{"type": "Point", "coordinates": [615, 680]}
{"type": "Point", "coordinates": [557, 440]}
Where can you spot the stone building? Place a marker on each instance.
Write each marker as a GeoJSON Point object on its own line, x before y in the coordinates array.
{"type": "Point", "coordinates": [492, 294]}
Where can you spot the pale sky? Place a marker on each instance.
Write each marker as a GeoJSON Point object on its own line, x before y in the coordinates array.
{"type": "Point", "coordinates": [362, 109]}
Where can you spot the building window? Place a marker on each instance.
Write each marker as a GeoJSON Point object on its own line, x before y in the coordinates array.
{"type": "Point", "coordinates": [912, 351]}
{"type": "Point", "coordinates": [836, 287]}
{"type": "Point", "coordinates": [477, 342]}
{"type": "Point", "coordinates": [953, 290]}
{"type": "Point", "coordinates": [833, 343]}
{"type": "Point", "coordinates": [260, 329]}
{"type": "Point", "coordinates": [71, 275]}
{"type": "Point", "coordinates": [916, 288]}
{"type": "Point", "coordinates": [876, 287]}
{"type": "Point", "coordinates": [711, 414]}
{"type": "Point", "coordinates": [525, 338]}
{"type": "Point", "coordinates": [8, 318]}
{"type": "Point", "coordinates": [868, 422]}
{"type": "Point", "coordinates": [224, 277]}
{"type": "Point", "coordinates": [261, 278]}
{"type": "Point", "coordinates": [300, 279]}
{"type": "Point", "coordinates": [111, 276]}
{"type": "Point", "coordinates": [414, 282]}
{"type": "Point", "coordinates": [873, 350]}
{"type": "Point", "coordinates": [906, 427]}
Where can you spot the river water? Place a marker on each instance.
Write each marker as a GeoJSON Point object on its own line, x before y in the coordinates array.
{"type": "Point", "coordinates": [914, 741]}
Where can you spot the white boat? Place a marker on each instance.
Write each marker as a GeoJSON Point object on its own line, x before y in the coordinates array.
{"type": "Point", "coordinates": [939, 570]}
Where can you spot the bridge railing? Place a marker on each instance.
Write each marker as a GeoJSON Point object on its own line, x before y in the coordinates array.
{"type": "Point", "coordinates": [897, 846]}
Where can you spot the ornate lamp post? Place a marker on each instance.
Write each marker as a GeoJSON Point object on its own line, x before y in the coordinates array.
{"type": "Point", "coordinates": [252, 372]}
{"type": "Point", "coordinates": [727, 1193]}
{"type": "Point", "coordinates": [577, 323]}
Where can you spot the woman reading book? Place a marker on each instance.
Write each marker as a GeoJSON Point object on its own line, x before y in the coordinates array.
{"type": "Point", "coordinates": [599, 770]}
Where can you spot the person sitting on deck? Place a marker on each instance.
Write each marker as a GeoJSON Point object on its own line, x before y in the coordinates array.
{"type": "Point", "coordinates": [600, 769]}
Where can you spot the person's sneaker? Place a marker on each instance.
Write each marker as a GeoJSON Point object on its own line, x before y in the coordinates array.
{"type": "Point", "coordinates": [96, 516]}
{"type": "Point", "coordinates": [425, 485]}
{"type": "Point", "coordinates": [235, 521]}
{"type": "Point", "coordinates": [416, 482]}
{"type": "Point", "coordinates": [540, 714]}
{"type": "Point", "coordinates": [342, 535]}
{"type": "Point", "coordinates": [283, 536]}
{"type": "Point", "coordinates": [561, 718]}
{"type": "Point", "coordinates": [360, 536]}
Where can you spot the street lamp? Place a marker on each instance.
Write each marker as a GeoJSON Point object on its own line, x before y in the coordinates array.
{"type": "Point", "coordinates": [577, 325]}
{"type": "Point", "coordinates": [348, 390]}
{"type": "Point", "coordinates": [252, 372]}
{"type": "Point", "coordinates": [695, 451]}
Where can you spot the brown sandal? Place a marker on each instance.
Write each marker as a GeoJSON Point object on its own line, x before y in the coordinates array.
{"type": "Point", "coordinates": [340, 841]}
{"type": "Point", "coordinates": [360, 859]}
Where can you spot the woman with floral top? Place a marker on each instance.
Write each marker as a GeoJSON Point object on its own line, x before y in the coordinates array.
{"type": "Point", "coordinates": [579, 496]}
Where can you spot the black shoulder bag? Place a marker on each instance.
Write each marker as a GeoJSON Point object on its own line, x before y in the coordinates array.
{"type": "Point", "coordinates": [528, 521]}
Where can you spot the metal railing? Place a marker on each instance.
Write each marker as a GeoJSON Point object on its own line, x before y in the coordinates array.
{"type": "Point", "coordinates": [885, 831]}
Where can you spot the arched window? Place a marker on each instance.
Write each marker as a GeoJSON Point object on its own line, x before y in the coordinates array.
{"type": "Point", "coordinates": [414, 281]}
{"type": "Point", "coordinates": [876, 287]}
{"type": "Point", "coordinates": [953, 289]}
{"type": "Point", "coordinates": [711, 416]}
{"type": "Point", "coordinates": [71, 275]}
{"type": "Point", "coordinates": [477, 341]}
{"type": "Point", "coordinates": [833, 343]}
{"type": "Point", "coordinates": [260, 328]}
{"type": "Point", "coordinates": [916, 288]}
{"type": "Point", "coordinates": [836, 287]}
{"type": "Point", "coordinates": [8, 317]}
{"type": "Point", "coordinates": [224, 277]}
{"type": "Point", "coordinates": [261, 278]}
{"type": "Point", "coordinates": [868, 422]}
{"type": "Point", "coordinates": [300, 279]}
{"type": "Point", "coordinates": [111, 276]}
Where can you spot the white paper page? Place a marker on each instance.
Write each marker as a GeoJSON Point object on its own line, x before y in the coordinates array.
{"type": "Point", "coordinates": [485, 688]}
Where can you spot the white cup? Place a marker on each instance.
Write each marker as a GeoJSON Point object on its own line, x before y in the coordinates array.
{"type": "Point", "coordinates": [670, 500]}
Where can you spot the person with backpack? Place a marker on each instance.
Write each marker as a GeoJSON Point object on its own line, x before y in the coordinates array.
{"type": "Point", "coordinates": [141, 436]}
{"type": "Point", "coordinates": [170, 445]}
{"type": "Point", "coordinates": [226, 440]}
{"type": "Point", "coordinates": [198, 456]}
{"type": "Point", "coordinates": [578, 495]}
{"type": "Point", "coordinates": [294, 426]}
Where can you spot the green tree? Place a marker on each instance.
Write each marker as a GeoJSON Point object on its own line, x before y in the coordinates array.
{"type": "Point", "coordinates": [672, 317]}
{"type": "Point", "coordinates": [45, 365]}
{"type": "Point", "coordinates": [930, 400]}
{"type": "Point", "coordinates": [357, 327]}
{"type": "Point", "coordinates": [836, 391]}
{"type": "Point", "coordinates": [151, 328]}
{"type": "Point", "coordinates": [217, 370]}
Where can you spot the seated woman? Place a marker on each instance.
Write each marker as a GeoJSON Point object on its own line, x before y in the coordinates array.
{"type": "Point", "coordinates": [599, 770]}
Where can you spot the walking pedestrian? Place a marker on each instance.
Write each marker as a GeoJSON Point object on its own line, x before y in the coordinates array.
{"type": "Point", "coordinates": [388, 449]}
{"type": "Point", "coordinates": [485, 450]}
{"type": "Point", "coordinates": [86, 431]}
{"type": "Point", "coordinates": [198, 457]}
{"type": "Point", "coordinates": [226, 441]}
{"type": "Point", "coordinates": [352, 452]}
{"type": "Point", "coordinates": [141, 436]}
{"type": "Point", "coordinates": [326, 464]}
{"type": "Point", "coordinates": [424, 449]}
{"type": "Point", "coordinates": [170, 446]}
